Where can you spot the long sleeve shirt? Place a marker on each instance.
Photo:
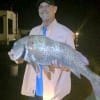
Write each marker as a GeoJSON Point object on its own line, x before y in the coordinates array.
{"type": "Point", "coordinates": [59, 85]}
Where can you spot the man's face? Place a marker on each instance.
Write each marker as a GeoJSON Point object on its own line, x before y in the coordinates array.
{"type": "Point", "coordinates": [47, 11]}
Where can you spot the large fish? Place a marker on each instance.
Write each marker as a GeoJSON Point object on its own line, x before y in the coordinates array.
{"type": "Point", "coordinates": [40, 50]}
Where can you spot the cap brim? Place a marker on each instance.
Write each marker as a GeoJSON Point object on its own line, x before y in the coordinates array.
{"type": "Point", "coordinates": [51, 2]}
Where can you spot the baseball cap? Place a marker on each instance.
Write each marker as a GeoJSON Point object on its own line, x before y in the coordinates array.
{"type": "Point", "coordinates": [51, 2]}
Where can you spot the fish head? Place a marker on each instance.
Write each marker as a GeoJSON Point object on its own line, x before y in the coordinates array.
{"type": "Point", "coordinates": [17, 51]}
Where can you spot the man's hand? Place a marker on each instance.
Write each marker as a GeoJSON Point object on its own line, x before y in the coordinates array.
{"type": "Point", "coordinates": [19, 61]}
{"type": "Point", "coordinates": [56, 64]}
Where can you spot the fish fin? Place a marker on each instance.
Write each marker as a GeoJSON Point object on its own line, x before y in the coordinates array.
{"type": "Point", "coordinates": [82, 58]}
{"type": "Point", "coordinates": [95, 81]}
{"type": "Point", "coordinates": [35, 66]}
{"type": "Point", "coordinates": [74, 69]}
{"type": "Point", "coordinates": [31, 59]}
{"type": "Point", "coordinates": [76, 73]}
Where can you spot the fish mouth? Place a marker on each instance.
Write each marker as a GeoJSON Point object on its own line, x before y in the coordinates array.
{"type": "Point", "coordinates": [16, 55]}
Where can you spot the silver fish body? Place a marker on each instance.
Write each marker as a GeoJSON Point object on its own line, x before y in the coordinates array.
{"type": "Point", "coordinates": [42, 50]}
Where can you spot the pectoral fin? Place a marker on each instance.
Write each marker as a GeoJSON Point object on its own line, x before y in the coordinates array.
{"type": "Point", "coordinates": [33, 62]}
{"type": "Point", "coordinates": [36, 67]}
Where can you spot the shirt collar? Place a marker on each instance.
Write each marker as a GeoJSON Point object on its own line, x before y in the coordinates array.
{"type": "Point", "coordinates": [51, 25]}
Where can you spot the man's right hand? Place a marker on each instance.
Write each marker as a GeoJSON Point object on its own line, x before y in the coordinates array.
{"type": "Point", "coordinates": [19, 61]}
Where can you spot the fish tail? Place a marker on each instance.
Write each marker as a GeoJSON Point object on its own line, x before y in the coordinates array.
{"type": "Point", "coordinates": [95, 81]}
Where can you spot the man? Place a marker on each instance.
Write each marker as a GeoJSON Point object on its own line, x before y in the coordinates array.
{"type": "Point", "coordinates": [55, 84]}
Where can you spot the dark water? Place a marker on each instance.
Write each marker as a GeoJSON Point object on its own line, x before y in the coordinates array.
{"type": "Point", "coordinates": [10, 85]}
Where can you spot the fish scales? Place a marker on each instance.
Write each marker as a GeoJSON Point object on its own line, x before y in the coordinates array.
{"type": "Point", "coordinates": [38, 49]}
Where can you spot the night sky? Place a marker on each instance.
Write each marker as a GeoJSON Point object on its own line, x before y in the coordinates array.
{"type": "Point", "coordinates": [79, 15]}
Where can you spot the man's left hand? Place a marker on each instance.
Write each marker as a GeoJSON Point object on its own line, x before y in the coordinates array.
{"type": "Point", "coordinates": [56, 64]}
